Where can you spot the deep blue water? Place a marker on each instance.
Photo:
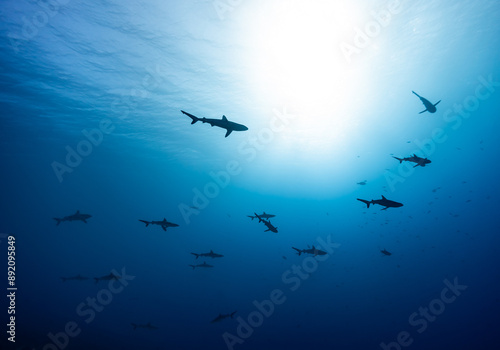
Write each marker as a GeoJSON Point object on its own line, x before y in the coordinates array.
{"type": "Point", "coordinates": [91, 95]}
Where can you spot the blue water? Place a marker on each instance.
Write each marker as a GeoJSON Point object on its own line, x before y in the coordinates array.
{"type": "Point", "coordinates": [91, 95]}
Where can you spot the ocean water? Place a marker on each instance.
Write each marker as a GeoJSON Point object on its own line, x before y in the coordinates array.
{"type": "Point", "coordinates": [91, 96]}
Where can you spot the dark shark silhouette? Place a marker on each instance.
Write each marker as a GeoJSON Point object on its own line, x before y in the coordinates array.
{"type": "Point", "coordinates": [429, 107]}
{"type": "Point", "coordinates": [75, 216]}
{"type": "Point", "coordinates": [314, 251]}
{"type": "Point", "coordinates": [211, 255]}
{"type": "Point", "coordinates": [383, 202]}
{"type": "Point", "coordinates": [221, 123]}
{"type": "Point", "coordinates": [270, 226]}
{"type": "Point", "coordinates": [221, 317]}
{"type": "Point", "coordinates": [415, 159]}
{"type": "Point", "coordinates": [263, 216]}
{"type": "Point", "coordinates": [109, 277]}
{"type": "Point", "coordinates": [385, 252]}
{"type": "Point", "coordinates": [146, 326]}
{"type": "Point", "coordinates": [164, 224]}
{"type": "Point", "coordinates": [75, 278]}
{"type": "Point", "coordinates": [201, 265]}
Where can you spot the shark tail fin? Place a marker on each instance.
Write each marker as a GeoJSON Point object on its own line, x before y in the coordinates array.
{"type": "Point", "coordinates": [251, 217]}
{"type": "Point", "coordinates": [258, 217]}
{"type": "Point", "coordinates": [400, 159]}
{"type": "Point", "coordinates": [146, 222]}
{"type": "Point", "coordinates": [134, 325]}
{"type": "Point", "coordinates": [194, 119]}
{"type": "Point", "coordinates": [197, 255]}
{"type": "Point", "coordinates": [58, 221]}
{"type": "Point", "coordinates": [298, 251]}
{"type": "Point", "coordinates": [365, 201]}
{"type": "Point", "coordinates": [232, 314]}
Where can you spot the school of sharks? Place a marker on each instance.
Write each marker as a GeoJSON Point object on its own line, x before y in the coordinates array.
{"type": "Point", "coordinates": [264, 218]}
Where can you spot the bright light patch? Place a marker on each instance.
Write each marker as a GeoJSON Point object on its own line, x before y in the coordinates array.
{"type": "Point", "coordinates": [301, 66]}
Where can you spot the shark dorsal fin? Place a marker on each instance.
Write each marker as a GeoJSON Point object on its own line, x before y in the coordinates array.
{"type": "Point", "coordinates": [164, 219]}
{"type": "Point", "coordinates": [314, 248]}
{"type": "Point", "coordinates": [211, 251]}
{"type": "Point", "coordinates": [77, 212]}
{"type": "Point", "coordinates": [383, 197]}
{"type": "Point", "coordinates": [224, 118]}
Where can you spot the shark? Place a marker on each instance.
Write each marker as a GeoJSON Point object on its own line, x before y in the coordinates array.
{"type": "Point", "coordinates": [385, 252]}
{"type": "Point", "coordinates": [315, 251]}
{"type": "Point", "coordinates": [429, 107]}
{"type": "Point", "coordinates": [270, 226]}
{"type": "Point", "coordinates": [263, 216]}
{"type": "Point", "coordinates": [221, 123]}
{"type": "Point", "coordinates": [201, 265]}
{"type": "Point", "coordinates": [74, 278]}
{"type": "Point", "coordinates": [75, 216]}
{"type": "Point", "coordinates": [415, 159]}
{"type": "Point", "coordinates": [109, 277]}
{"type": "Point", "coordinates": [211, 255]}
{"type": "Point", "coordinates": [383, 202]}
{"type": "Point", "coordinates": [146, 326]}
{"type": "Point", "coordinates": [221, 317]}
{"type": "Point", "coordinates": [164, 224]}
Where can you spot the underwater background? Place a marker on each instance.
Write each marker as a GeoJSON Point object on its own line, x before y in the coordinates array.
{"type": "Point", "coordinates": [91, 96]}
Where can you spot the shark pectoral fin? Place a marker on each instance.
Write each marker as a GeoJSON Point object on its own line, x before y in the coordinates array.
{"type": "Point", "coordinates": [384, 208]}
{"type": "Point", "coordinates": [164, 228]}
{"type": "Point", "coordinates": [437, 103]}
{"type": "Point", "coordinates": [417, 165]}
{"type": "Point", "coordinates": [229, 131]}
{"type": "Point", "coordinates": [422, 112]}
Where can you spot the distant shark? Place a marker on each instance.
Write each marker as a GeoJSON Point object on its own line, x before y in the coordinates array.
{"type": "Point", "coordinates": [429, 107]}
{"type": "Point", "coordinates": [314, 251]}
{"type": "Point", "coordinates": [263, 216]}
{"type": "Point", "coordinates": [146, 326]}
{"type": "Point", "coordinates": [75, 216]}
{"type": "Point", "coordinates": [211, 255]}
{"type": "Point", "coordinates": [221, 317]}
{"type": "Point", "coordinates": [221, 123]}
{"type": "Point", "coordinates": [164, 224]}
{"type": "Point", "coordinates": [415, 159]}
{"type": "Point", "coordinates": [75, 278]}
{"type": "Point", "coordinates": [270, 226]}
{"type": "Point", "coordinates": [383, 202]}
{"type": "Point", "coordinates": [201, 265]}
{"type": "Point", "coordinates": [109, 277]}
{"type": "Point", "coordinates": [385, 252]}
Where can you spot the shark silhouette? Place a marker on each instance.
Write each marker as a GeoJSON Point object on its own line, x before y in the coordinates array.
{"type": "Point", "coordinates": [429, 107]}
{"type": "Point", "coordinates": [221, 123]}
{"type": "Point", "coordinates": [383, 202]}
{"type": "Point", "coordinates": [415, 159]}
{"type": "Point", "coordinates": [75, 216]}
